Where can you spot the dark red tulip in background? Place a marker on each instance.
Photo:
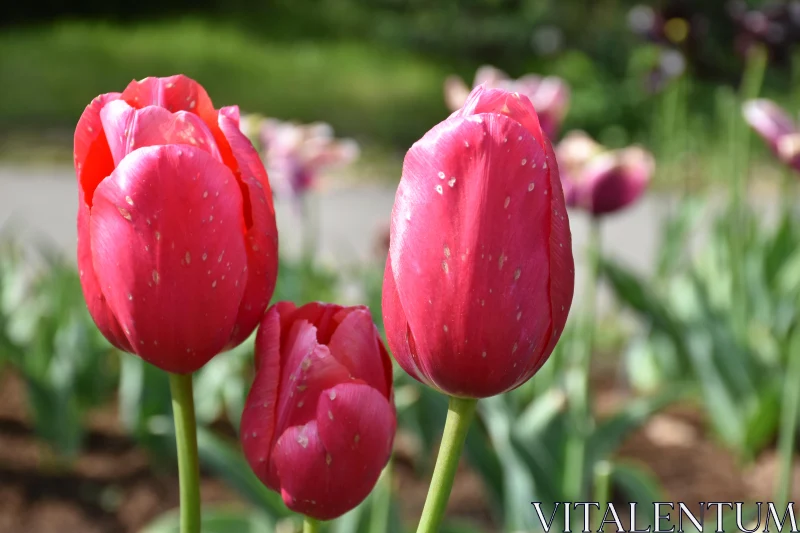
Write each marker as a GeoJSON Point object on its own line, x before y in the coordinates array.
{"type": "Point", "coordinates": [480, 274]}
{"type": "Point", "coordinates": [319, 422]}
{"type": "Point", "coordinates": [177, 244]}
{"type": "Point", "coordinates": [602, 181]}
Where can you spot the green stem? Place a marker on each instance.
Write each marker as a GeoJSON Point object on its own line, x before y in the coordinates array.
{"type": "Point", "coordinates": [788, 428]}
{"type": "Point", "coordinates": [579, 381]}
{"type": "Point", "coordinates": [310, 525]}
{"type": "Point", "coordinates": [602, 487]}
{"type": "Point", "coordinates": [186, 439]}
{"type": "Point", "coordinates": [460, 413]}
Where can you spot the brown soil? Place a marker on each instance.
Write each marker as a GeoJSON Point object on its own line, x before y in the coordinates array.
{"type": "Point", "coordinates": [114, 488]}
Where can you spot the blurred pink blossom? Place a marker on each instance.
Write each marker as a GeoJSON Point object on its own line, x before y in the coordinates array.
{"type": "Point", "coordinates": [549, 95]}
{"type": "Point", "coordinates": [777, 128]}
{"type": "Point", "coordinates": [296, 154]}
{"type": "Point", "coordinates": [599, 180]}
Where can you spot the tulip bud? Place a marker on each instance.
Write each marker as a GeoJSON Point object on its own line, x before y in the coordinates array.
{"type": "Point", "coordinates": [480, 273]}
{"type": "Point", "coordinates": [177, 243]}
{"type": "Point", "coordinates": [319, 421]}
{"type": "Point", "coordinates": [777, 129]}
{"type": "Point", "coordinates": [602, 181]}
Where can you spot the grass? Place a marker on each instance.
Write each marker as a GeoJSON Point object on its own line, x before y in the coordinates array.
{"type": "Point", "coordinates": [376, 94]}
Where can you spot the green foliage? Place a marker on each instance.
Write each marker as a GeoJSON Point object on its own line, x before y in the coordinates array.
{"type": "Point", "coordinates": [691, 311]}
{"type": "Point", "coordinates": [47, 335]}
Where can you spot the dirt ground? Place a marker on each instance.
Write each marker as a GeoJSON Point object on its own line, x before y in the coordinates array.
{"type": "Point", "coordinates": [113, 488]}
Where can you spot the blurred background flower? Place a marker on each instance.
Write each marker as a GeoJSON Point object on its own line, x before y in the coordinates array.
{"type": "Point", "coordinates": [549, 95]}
{"type": "Point", "coordinates": [297, 154]}
{"type": "Point", "coordinates": [599, 180]}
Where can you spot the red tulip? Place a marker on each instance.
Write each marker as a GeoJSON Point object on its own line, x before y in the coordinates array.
{"type": "Point", "coordinates": [480, 274]}
{"type": "Point", "coordinates": [319, 422]}
{"type": "Point", "coordinates": [177, 244]}
{"type": "Point", "coordinates": [776, 128]}
{"type": "Point", "coordinates": [602, 181]}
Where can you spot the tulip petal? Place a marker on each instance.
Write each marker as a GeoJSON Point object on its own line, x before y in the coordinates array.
{"type": "Point", "coordinates": [394, 319]}
{"type": "Point", "coordinates": [485, 183]}
{"type": "Point", "coordinates": [331, 464]}
{"type": "Point", "coordinates": [166, 226]}
{"type": "Point", "coordinates": [92, 158]}
{"type": "Point", "coordinates": [93, 162]}
{"type": "Point", "coordinates": [174, 93]}
{"type": "Point", "coordinates": [355, 345]}
{"type": "Point", "coordinates": [128, 128]}
{"type": "Point", "coordinates": [513, 105]}
{"type": "Point", "coordinates": [562, 270]}
{"type": "Point", "coordinates": [262, 232]}
{"type": "Point", "coordinates": [257, 428]}
{"type": "Point", "coordinates": [308, 368]}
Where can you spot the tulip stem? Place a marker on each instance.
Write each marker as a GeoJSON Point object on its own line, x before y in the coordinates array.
{"type": "Point", "coordinates": [788, 428]}
{"type": "Point", "coordinates": [310, 525]}
{"type": "Point", "coordinates": [578, 382]}
{"type": "Point", "coordinates": [186, 439]}
{"type": "Point", "coordinates": [460, 413]}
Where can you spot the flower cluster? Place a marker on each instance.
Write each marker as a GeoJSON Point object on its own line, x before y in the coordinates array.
{"type": "Point", "coordinates": [178, 250]}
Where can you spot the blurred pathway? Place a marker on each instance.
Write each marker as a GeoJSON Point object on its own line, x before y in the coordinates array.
{"type": "Point", "coordinates": [39, 205]}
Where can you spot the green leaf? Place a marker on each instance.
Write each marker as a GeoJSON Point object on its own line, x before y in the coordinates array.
{"type": "Point", "coordinates": [227, 462]}
{"type": "Point", "coordinates": [610, 433]}
{"type": "Point", "coordinates": [633, 291]}
{"type": "Point", "coordinates": [638, 485]}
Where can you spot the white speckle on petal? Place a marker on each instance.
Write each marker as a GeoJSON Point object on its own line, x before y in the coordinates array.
{"type": "Point", "coordinates": [188, 258]}
{"type": "Point", "coordinates": [483, 355]}
{"type": "Point", "coordinates": [517, 274]}
{"type": "Point", "coordinates": [524, 161]}
{"type": "Point", "coordinates": [506, 202]}
{"type": "Point", "coordinates": [446, 252]}
{"type": "Point", "coordinates": [332, 395]}
{"type": "Point", "coordinates": [531, 186]}
{"type": "Point", "coordinates": [129, 200]}
{"type": "Point", "coordinates": [125, 213]}
{"type": "Point", "coordinates": [439, 189]}
{"type": "Point", "coordinates": [156, 277]}
{"type": "Point", "coordinates": [519, 315]}
{"type": "Point", "coordinates": [213, 284]}
{"type": "Point", "coordinates": [445, 267]}
{"type": "Point", "coordinates": [441, 175]}
{"type": "Point", "coordinates": [445, 328]}
{"type": "Point", "coordinates": [451, 182]}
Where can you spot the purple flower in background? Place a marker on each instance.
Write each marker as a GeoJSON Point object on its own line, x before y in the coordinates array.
{"type": "Point", "coordinates": [598, 180]}
{"type": "Point", "coordinates": [296, 154]}
{"type": "Point", "coordinates": [549, 95]}
{"type": "Point", "coordinates": [777, 128]}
